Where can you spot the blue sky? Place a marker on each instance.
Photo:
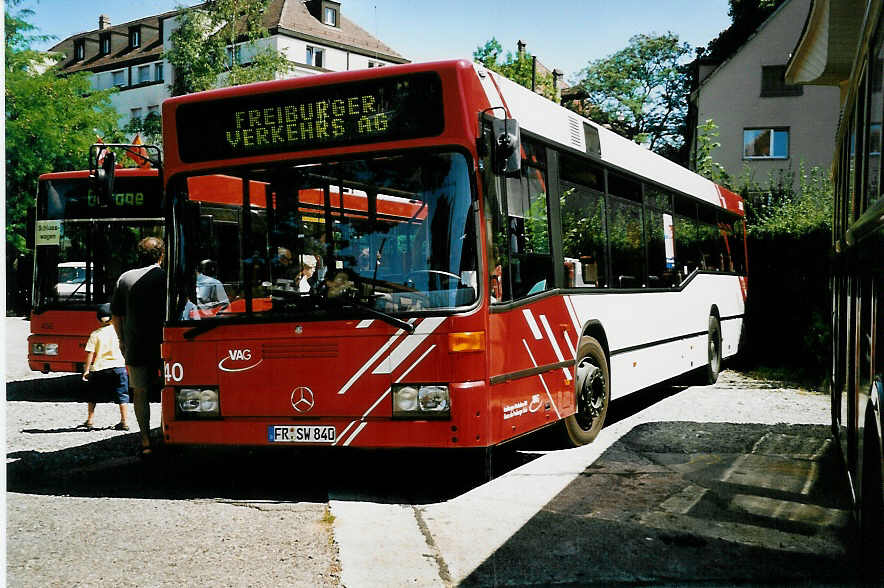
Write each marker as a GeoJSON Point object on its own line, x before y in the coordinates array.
{"type": "Point", "coordinates": [564, 34]}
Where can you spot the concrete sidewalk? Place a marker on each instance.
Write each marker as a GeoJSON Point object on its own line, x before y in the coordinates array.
{"type": "Point", "coordinates": [689, 502]}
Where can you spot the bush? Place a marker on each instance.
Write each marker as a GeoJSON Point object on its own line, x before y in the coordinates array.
{"type": "Point", "coordinates": [789, 227]}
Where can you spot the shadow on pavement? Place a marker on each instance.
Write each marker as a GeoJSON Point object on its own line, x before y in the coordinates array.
{"type": "Point", "coordinates": [690, 502]}
{"type": "Point", "coordinates": [61, 389]}
{"type": "Point", "coordinates": [110, 468]}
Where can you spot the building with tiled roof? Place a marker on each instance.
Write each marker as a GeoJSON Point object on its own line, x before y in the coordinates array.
{"type": "Point", "coordinates": [767, 127]}
{"type": "Point", "coordinates": [314, 34]}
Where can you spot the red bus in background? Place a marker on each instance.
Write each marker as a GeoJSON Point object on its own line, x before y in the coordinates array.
{"type": "Point", "coordinates": [82, 245]}
{"type": "Point", "coordinates": [485, 263]}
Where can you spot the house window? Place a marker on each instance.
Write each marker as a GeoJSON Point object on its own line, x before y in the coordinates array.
{"type": "Point", "coordinates": [234, 55]}
{"type": "Point", "coordinates": [315, 56]}
{"type": "Point", "coordinates": [104, 42]}
{"type": "Point", "coordinates": [135, 114]}
{"type": "Point", "coordinates": [153, 109]}
{"type": "Point", "coordinates": [79, 49]}
{"type": "Point", "coordinates": [330, 16]}
{"type": "Point", "coordinates": [143, 74]}
{"type": "Point", "coordinates": [119, 78]}
{"type": "Point", "coordinates": [773, 83]}
{"type": "Point", "coordinates": [135, 37]}
{"type": "Point", "coordinates": [765, 143]}
{"type": "Point", "coordinates": [158, 72]}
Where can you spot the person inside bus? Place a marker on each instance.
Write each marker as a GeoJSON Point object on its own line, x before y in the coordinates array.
{"type": "Point", "coordinates": [308, 268]}
{"type": "Point", "coordinates": [285, 274]}
{"type": "Point", "coordinates": [496, 275]}
{"type": "Point", "coordinates": [210, 291]}
{"type": "Point", "coordinates": [363, 261]}
{"type": "Point", "coordinates": [105, 370]}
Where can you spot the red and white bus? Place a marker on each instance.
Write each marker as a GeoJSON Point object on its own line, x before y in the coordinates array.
{"type": "Point", "coordinates": [82, 245]}
{"type": "Point", "coordinates": [487, 263]}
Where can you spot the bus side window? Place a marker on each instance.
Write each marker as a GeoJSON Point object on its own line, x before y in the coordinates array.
{"type": "Point", "coordinates": [659, 235]}
{"type": "Point", "coordinates": [583, 236]}
{"type": "Point", "coordinates": [709, 241]}
{"type": "Point", "coordinates": [582, 211]}
{"type": "Point", "coordinates": [686, 237]}
{"type": "Point", "coordinates": [530, 269]}
{"type": "Point", "coordinates": [626, 232]}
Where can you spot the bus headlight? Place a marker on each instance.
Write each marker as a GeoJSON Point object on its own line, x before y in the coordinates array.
{"type": "Point", "coordinates": [433, 398]}
{"type": "Point", "coordinates": [44, 348]}
{"type": "Point", "coordinates": [197, 402]}
{"type": "Point", "coordinates": [421, 401]}
{"type": "Point", "coordinates": [405, 399]}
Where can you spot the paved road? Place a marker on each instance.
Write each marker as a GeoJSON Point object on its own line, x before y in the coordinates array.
{"type": "Point", "coordinates": [724, 484]}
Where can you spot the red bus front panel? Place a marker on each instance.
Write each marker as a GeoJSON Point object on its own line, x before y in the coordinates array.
{"type": "Point", "coordinates": [69, 330]}
{"type": "Point", "coordinates": [326, 373]}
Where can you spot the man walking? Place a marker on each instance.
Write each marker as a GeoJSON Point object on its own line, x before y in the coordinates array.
{"type": "Point", "coordinates": [138, 308]}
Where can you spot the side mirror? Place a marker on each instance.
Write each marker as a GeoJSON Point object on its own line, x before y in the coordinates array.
{"type": "Point", "coordinates": [102, 170]}
{"type": "Point", "coordinates": [506, 146]}
{"type": "Point", "coordinates": [106, 175]}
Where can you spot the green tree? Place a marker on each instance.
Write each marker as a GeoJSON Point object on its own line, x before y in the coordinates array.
{"type": "Point", "coordinates": [518, 67]}
{"type": "Point", "coordinates": [704, 164]}
{"type": "Point", "coordinates": [150, 128]}
{"type": "Point", "coordinates": [746, 17]}
{"type": "Point", "coordinates": [50, 120]}
{"type": "Point", "coordinates": [218, 44]}
{"type": "Point", "coordinates": [641, 92]}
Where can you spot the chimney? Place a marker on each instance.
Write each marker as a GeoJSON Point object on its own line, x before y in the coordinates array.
{"type": "Point", "coordinates": [557, 75]}
{"type": "Point", "coordinates": [103, 22]}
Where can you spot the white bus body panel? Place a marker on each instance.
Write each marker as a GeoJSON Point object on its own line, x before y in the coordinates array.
{"type": "Point", "coordinates": [654, 336]}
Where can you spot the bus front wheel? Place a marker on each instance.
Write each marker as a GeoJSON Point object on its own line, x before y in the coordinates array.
{"type": "Point", "coordinates": [593, 394]}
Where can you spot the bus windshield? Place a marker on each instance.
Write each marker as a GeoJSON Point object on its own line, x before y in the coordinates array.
{"type": "Point", "coordinates": [84, 246]}
{"type": "Point", "coordinates": [391, 234]}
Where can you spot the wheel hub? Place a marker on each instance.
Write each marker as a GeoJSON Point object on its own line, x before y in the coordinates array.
{"type": "Point", "coordinates": [590, 393]}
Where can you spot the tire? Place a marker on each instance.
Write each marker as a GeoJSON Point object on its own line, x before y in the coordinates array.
{"type": "Point", "coordinates": [713, 368]}
{"type": "Point", "coordinates": [593, 394]}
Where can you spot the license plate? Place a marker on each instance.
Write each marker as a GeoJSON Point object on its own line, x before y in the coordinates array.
{"type": "Point", "coordinates": [300, 434]}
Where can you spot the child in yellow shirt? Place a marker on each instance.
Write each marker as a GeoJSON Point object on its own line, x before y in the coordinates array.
{"type": "Point", "coordinates": [105, 370]}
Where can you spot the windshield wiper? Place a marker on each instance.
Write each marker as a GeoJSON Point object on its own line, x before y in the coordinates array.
{"type": "Point", "coordinates": [77, 289]}
{"type": "Point", "coordinates": [388, 318]}
{"type": "Point", "coordinates": [203, 327]}
{"type": "Point", "coordinates": [208, 325]}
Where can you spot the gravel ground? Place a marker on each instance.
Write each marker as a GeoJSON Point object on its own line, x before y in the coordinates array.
{"type": "Point", "coordinates": [82, 510]}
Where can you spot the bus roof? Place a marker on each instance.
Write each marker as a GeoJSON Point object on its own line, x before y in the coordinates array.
{"type": "Point", "coordinates": [565, 127]}
{"type": "Point", "coordinates": [121, 172]}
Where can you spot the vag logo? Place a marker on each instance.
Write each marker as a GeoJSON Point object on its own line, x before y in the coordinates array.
{"type": "Point", "coordinates": [243, 354]}
{"type": "Point", "coordinates": [232, 362]}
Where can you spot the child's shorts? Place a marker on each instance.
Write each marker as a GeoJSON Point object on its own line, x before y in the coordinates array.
{"type": "Point", "coordinates": [111, 385]}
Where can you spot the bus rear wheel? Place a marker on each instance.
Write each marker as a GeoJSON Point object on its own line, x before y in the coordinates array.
{"type": "Point", "coordinates": [593, 393]}
{"type": "Point", "coordinates": [714, 367]}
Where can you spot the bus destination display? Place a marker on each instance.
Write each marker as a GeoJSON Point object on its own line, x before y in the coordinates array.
{"type": "Point", "coordinates": [75, 198]}
{"type": "Point", "coordinates": [385, 109]}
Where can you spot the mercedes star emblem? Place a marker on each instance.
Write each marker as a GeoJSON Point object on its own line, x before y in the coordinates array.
{"type": "Point", "coordinates": [302, 399]}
